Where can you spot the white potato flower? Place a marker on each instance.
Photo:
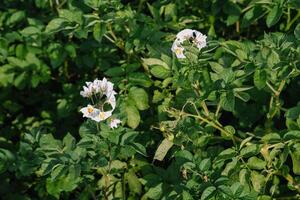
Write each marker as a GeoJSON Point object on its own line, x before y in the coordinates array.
{"type": "Point", "coordinates": [114, 123]}
{"type": "Point", "coordinates": [101, 116]}
{"type": "Point", "coordinates": [196, 37]}
{"type": "Point", "coordinates": [112, 101]}
{"type": "Point", "coordinates": [105, 89]}
{"type": "Point", "coordinates": [89, 111]}
{"type": "Point", "coordinates": [200, 40]}
{"type": "Point", "coordinates": [178, 50]}
{"type": "Point", "coordinates": [183, 35]}
{"type": "Point", "coordinates": [87, 90]}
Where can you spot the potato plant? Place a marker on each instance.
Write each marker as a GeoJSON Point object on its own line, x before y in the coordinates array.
{"type": "Point", "coordinates": [158, 100]}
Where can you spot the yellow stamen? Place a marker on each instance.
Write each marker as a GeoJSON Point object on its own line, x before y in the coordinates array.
{"type": "Point", "coordinates": [102, 115]}
{"type": "Point", "coordinates": [90, 109]}
{"type": "Point", "coordinates": [178, 51]}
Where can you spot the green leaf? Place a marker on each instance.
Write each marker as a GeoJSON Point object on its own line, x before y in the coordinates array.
{"type": "Point", "coordinates": [55, 25]}
{"type": "Point", "coordinates": [30, 30]}
{"type": "Point", "coordinates": [293, 113]}
{"type": "Point", "coordinates": [133, 116]}
{"type": "Point", "coordinates": [140, 98]}
{"type": "Point", "coordinates": [133, 182]}
{"type": "Point", "coordinates": [6, 159]}
{"type": "Point", "coordinates": [88, 127]}
{"type": "Point", "coordinates": [258, 181]}
{"type": "Point", "coordinates": [128, 137]}
{"type": "Point", "coordinates": [250, 150]}
{"type": "Point", "coordinates": [294, 4]}
{"type": "Point", "coordinates": [256, 163]}
{"type": "Point", "coordinates": [16, 17]}
{"type": "Point", "coordinates": [296, 160]}
{"type": "Point", "coordinates": [163, 149]}
{"type": "Point", "coordinates": [57, 171]}
{"type": "Point", "coordinates": [252, 15]}
{"type": "Point", "coordinates": [160, 72]}
{"type": "Point", "coordinates": [69, 142]}
{"type": "Point", "coordinates": [271, 138]}
{"type": "Point", "coordinates": [186, 195]}
{"type": "Point", "coordinates": [140, 79]}
{"type": "Point", "coordinates": [274, 15]}
{"type": "Point", "coordinates": [227, 154]}
{"type": "Point", "coordinates": [260, 78]}
{"type": "Point", "coordinates": [292, 135]}
{"type": "Point", "coordinates": [115, 71]}
{"type": "Point", "coordinates": [158, 96]}
{"type": "Point", "coordinates": [227, 101]}
{"type": "Point", "coordinates": [63, 108]}
{"type": "Point", "coordinates": [20, 80]}
{"type": "Point", "coordinates": [205, 164]}
{"type": "Point", "coordinates": [216, 67]}
{"type": "Point", "coordinates": [208, 193]}
{"type": "Point", "coordinates": [71, 15]}
{"type": "Point", "coordinates": [155, 192]}
{"type": "Point", "coordinates": [230, 167]}
{"type": "Point", "coordinates": [230, 129]}
{"type": "Point", "coordinates": [139, 148]}
{"type": "Point", "coordinates": [98, 31]}
{"type": "Point", "coordinates": [244, 177]}
{"type": "Point", "coordinates": [155, 61]}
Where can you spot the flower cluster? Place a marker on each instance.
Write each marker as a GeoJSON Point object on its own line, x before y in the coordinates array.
{"type": "Point", "coordinates": [196, 37]}
{"type": "Point", "coordinates": [102, 95]}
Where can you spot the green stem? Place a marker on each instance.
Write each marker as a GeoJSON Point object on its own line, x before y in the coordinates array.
{"type": "Point", "coordinates": [291, 180]}
{"type": "Point", "coordinates": [110, 39]}
{"type": "Point", "coordinates": [218, 109]}
{"type": "Point", "coordinates": [288, 26]}
{"type": "Point", "coordinates": [123, 187]}
{"type": "Point", "coordinates": [213, 124]}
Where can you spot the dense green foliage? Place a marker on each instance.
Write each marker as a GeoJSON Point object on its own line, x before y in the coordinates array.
{"type": "Point", "coordinates": [224, 123]}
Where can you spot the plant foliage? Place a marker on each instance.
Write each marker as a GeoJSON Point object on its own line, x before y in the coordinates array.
{"type": "Point", "coordinates": [222, 123]}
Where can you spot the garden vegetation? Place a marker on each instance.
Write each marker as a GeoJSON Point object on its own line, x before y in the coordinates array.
{"type": "Point", "coordinates": [150, 99]}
